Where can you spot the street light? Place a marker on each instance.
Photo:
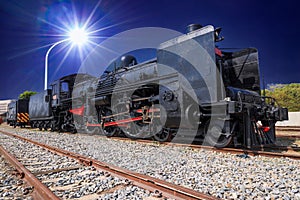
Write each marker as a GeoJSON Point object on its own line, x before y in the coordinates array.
{"type": "Point", "coordinates": [77, 36]}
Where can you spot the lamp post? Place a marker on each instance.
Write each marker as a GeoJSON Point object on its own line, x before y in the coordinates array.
{"type": "Point", "coordinates": [46, 62]}
{"type": "Point", "coordinates": [76, 36]}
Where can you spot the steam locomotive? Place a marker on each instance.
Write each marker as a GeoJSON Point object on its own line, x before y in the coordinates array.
{"type": "Point", "coordinates": [191, 90]}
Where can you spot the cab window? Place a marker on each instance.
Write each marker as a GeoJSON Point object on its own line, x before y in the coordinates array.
{"type": "Point", "coordinates": [54, 89]}
{"type": "Point", "coordinates": [64, 87]}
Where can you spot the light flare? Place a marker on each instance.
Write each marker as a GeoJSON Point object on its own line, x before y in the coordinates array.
{"type": "Point", "coordinates": [78, 36]}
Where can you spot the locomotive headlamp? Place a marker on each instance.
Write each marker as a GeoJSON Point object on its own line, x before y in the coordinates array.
{"type": "Point", "coordinates": [217, 34]}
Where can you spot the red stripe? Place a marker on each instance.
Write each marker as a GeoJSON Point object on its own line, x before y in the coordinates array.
{"type": "Point", "coordinates": [120, 122]}
{"type": "Point", "coordinates": [218, 52]}
{"type": "Point", "coordinates": [123, 121]}
{"type": "Point", "coordinates": [78, 111]}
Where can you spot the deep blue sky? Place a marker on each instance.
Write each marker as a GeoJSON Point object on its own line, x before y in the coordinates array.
{"type": "Point", "coordinates": [271, 26]}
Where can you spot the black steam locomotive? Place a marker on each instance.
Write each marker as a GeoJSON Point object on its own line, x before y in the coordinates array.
{"type": "Point", "coordinates": [191, 90]}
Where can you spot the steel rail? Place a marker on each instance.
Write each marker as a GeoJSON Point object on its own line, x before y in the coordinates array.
{"type": "Point", "coordinates": [288, 136]}
{"type": "Point", "coordinates": [40, 191]}
{"type": "Point", "coordinates": [285, 148]}
{"type": "Point", "coordinates": [167, 189]}
{"type": "Point", "coordinates": [246, 152]}
{"type": "Point", "coordinates": [288, 128]}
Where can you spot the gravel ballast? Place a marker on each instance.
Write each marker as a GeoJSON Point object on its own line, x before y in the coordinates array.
{"type": "Point", "coordinates": [12, 187]}
{"type": "Point", "coordinates": [65, 177]}
{"type": "Point", "coordinates": [219, 174]}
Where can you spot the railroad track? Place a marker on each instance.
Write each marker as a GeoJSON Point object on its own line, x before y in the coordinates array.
{"type": "Point", "coordinates": [270, 151]}
{"type": "Point", "coordinates": [257, 151]}
{"type": "Point", "coordinates": [292, 136]}
{"type": "Point", "coordinates": [55, 173]}
{"type": "Point", "coordinates": [292, 132]}
{"type": "Point", "coordinates": [11, 185]}
{"type": "Point", "coordinates": [288, 128]}
{"type": "Point", "coordinates": [281, 148]}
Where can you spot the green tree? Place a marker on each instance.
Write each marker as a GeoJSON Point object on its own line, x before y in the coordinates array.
{"type": "Point", "coordinates": [26, 94]}
{"type": "Point", "coordinates": [286, 95]}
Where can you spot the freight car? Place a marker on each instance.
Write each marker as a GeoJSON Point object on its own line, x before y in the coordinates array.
{"type": "Point", "coordinates": [192, 89]}
{"type": "Point", "coordinates": [17, 113]}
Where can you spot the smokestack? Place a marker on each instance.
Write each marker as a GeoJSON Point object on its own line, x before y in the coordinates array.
{"type": "Point", "coordinates": [193, 27]}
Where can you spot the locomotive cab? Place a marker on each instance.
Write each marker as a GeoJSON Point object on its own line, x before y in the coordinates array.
{"type": "Point", "coordinates": [61, 91]}
{"type": "Point", "coordinates": [63, 111]}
